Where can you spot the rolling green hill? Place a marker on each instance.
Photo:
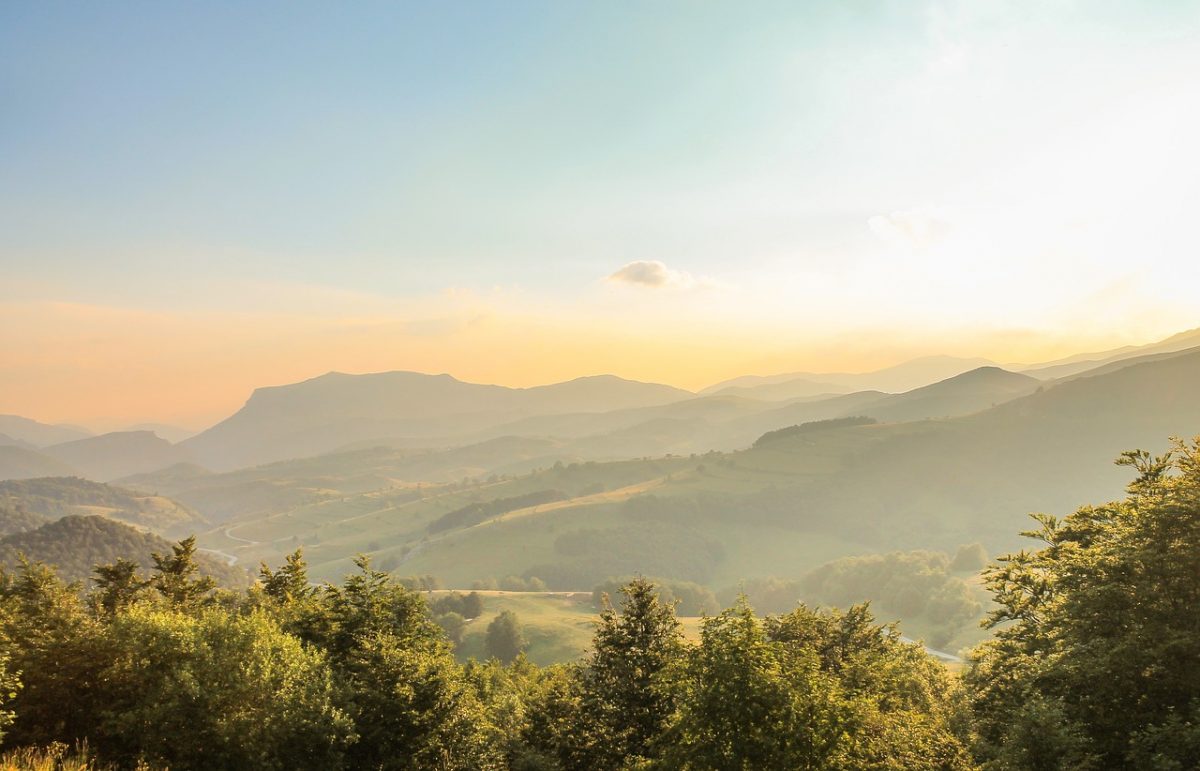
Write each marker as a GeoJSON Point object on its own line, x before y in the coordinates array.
{"type": "Point", "coordinates": [76, 544]}
{"type": "Point", "coordinates": [696, 425]}
{"type": "Point", "coordinates": [23, 463]}
{"type": "Point", "coordinates": [287, 484]}
{"type": "Point", "coordinates": [56, 497]}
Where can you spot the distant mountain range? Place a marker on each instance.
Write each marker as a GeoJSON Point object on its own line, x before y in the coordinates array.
{"type": "Point", "coordinates": [336, 410]}
{"type": "Point", "coordinates": [896, 379]}
{"type": "Point", "coordinates": [31, 433]}
{"type": "Point", "coordinates": [1079, 363]}
{"type": "Point", "coordinates": [591, 418]}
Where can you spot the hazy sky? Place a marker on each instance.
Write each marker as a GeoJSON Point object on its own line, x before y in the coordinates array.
{"type": "Point", "coordinates": [197, 199]}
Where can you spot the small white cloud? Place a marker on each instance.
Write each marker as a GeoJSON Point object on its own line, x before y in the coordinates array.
{"type": "Point", "coordinates": [916, 228]}
{"type": "Point", "coordinates": [655, 274]}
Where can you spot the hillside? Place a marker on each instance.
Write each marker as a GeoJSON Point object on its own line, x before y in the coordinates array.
{"type": "Point", "coordinates": [76, 544]}
{"type": "Point", "coordinates": [788, 390]}
{"type": "Point", "coordinates": [336, 410]}
{"type": "Point", "coordinates": [960, 395]}
{"type": "Point", "coordinates": [57, 497]}
{"type": "Point", "coordinates": [681, 428]}
{"type": "Point", "coordinates": [8, 441]}
{"type": "Point", "coordinates": [895, 379]}
{"type": "Point", "coordinates": [117, 454]}
{"type": "Point", "coordinates": [1074, 365]}
{"type": "Point", "coordinates": [1113, 366]}
{"type": "Point", "coordinates": [23, 463]}
{"type": "Point", "coordinates": [39, 434]}
{"type": "Point", "coordinates": [15, 518]}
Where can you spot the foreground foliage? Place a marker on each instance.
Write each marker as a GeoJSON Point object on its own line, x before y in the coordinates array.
{"type": "Point", "coordinates": [1096, 659]}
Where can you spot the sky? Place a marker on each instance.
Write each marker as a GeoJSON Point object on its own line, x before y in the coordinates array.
{"type": "Point", "coordinates": [197, 199]}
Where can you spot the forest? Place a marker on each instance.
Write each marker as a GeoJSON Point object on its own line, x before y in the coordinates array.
{"type": "Point", "coordinates": [1092, 664]}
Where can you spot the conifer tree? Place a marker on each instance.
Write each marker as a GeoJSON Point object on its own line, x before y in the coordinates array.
{"type": "Point", "coordinates": [118, 585]}
{"type": "Point", "coordinates": [176, 577]}
{"type": "Point", "coordinates": [625, 702]}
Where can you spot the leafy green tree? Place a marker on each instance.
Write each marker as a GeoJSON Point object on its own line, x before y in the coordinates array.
{"type": "Point", "coordinates": [746, 702]}
{"type": "Point", "coordinates": [903, 711]}
{"type": "Point", "coordinates": [553, 734]}
{"type": "Point", "coordinates": [970, 558]}
{"type": "Point", "coordinates": [504, 640]}
{"type": "Point", "coordinates": [414, 709]}
{"type": "Point", "coordinates": [626, 702]}
{"type": "Point", "coordinates": [176, 576]}
{"type": "Point", "coordinates": [472, 605]}
{"type": "Point", "coordinates": [1097, 632]}
{"type": "Point", "coordinates": [53, 643]}
{"type": "Point", "coordinates": [117, 586]}
{"type": "Point", "coordinates": [453, 625]}
{"type": "Point", "coordinates": [216, 690]}
{"type": "Point", "coordinates": [10, 684]}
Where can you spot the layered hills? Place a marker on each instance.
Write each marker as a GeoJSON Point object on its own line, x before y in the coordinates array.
{"type": "Point", "coordinates": [777, 509]}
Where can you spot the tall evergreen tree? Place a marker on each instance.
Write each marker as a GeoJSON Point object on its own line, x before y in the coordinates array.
{"type": "Point", "coordinates": [176, 576]}
{"type": "Point", "coordinates": [290, 582]}
{"type": "Point", "coordinates": [118, 585]}
{"type": "Point", "coordinates": [625, 702]}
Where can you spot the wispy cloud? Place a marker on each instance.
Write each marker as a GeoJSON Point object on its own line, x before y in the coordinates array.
{"type": "Point", "coordinates": [917, 228]}
{"type": "Point", "coordinates": [656, 275]}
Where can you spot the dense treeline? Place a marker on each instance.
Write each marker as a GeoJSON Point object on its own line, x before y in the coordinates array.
{"type": "Point", "coordinates": [689, 598]}
{"type": "Point", "coordinates": [781, 434]}
{"type": "Point", "coordinates": [15, 517]}
{"type": "Point", "coordinates": [1095, 664]}
{"type": "Point", "coordinates": [925, 588]}
{"type": "Point", "coordinates": [474, 513]}
{"type": "Point", "coordinates": [590, 555]}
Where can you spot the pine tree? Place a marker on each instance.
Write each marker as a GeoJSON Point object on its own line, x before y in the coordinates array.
{"type": "Point", "coordinates": [290, 582]}
{"type": "Point", "coordinates": [625, 702]}
{"type": "Point", "coordinates": [118, 585]}
{"type": "Point", "coordinates": [175, 576]}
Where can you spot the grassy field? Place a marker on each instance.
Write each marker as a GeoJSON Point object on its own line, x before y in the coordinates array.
{"type": "Point", "coordinates": [558, 626]}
